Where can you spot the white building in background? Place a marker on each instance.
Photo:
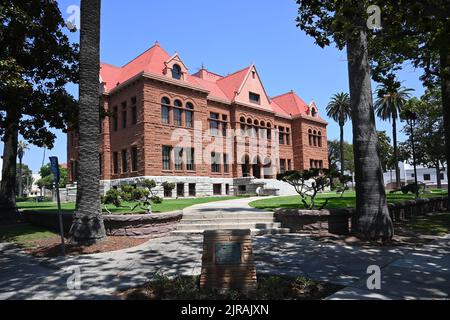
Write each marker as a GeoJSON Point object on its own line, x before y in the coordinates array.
{"type": "Point", "coordinates": [424, 175]}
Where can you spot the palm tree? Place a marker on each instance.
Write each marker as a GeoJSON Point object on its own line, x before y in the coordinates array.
{"type": "Point", "coordinates": [21, 147]}
{"type": "Point", "coordinates": [372, 220]}
{"type": "Point", "coordinates": [339, 110]}
{"type": "Point", "coordinates": [388, 107]}
{"type": "Point", "coordinates": [88, 226]}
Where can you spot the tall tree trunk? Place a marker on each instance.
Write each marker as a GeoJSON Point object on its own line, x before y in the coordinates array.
{"type": "Point", "coordinates": [20, 178]}
{"type": "Point", "coordinates": [394, 138]}
{"type": "Point", "coordinates": [88, 226]}
{"type": "Point", "coordinates": [341, 126]}
{"type": "Point", "coordinates": [445, 85]}
{"type": "Point", "coordinates": [438, 175]}
{"type": "Point", "coordinates": [372, 220]}
{"type": "Point", "coordinates": [8, 184]}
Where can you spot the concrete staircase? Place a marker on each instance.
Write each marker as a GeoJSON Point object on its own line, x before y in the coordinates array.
{"type": "Point", "coordinates": [195, 221]}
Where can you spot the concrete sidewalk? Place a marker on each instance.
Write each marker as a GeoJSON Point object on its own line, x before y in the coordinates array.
{"type": "Point", "coordinates": [421, 274]}
{"type": "Point", "coordinates": [407, 273]}
{"type": "Point", "coordinates": [25, 277]}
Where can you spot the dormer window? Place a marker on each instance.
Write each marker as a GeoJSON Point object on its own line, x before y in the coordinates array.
{"type": "Point", "coordinates": [313, 112]}
{"type": "Point", "coordinates": [176, 72]}
{"type": "Point", "coordinates": [254, 97]}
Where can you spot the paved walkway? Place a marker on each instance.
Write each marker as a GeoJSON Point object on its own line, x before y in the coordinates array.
{"type": "Point", "coordinates": [406, 273]}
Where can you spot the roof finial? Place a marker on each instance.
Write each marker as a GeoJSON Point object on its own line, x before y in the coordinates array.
{"type": "Point", "coordinates": [157, 43]}
{"type": "Point", "coordinates": [203, 66]}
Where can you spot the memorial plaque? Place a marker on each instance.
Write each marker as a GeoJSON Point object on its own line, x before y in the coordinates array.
{"type": "Point", "coordinates": [228, 253]}
{"type": "Point", "coordinates": [227, 261]}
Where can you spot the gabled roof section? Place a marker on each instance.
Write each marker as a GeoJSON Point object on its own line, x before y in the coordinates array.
{"type": "Point", "coordinates": [292, 104]}
{"type": "Point", "coordinates": [230, 84]}
{"type": "Point", "coordinates": [151, 61]}
{"type": "Point", "coordinates": [176, 59]}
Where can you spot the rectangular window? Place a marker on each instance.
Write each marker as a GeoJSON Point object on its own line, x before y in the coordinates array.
{"type": "Point", "coordinates": [215, 162]}
{"type": "Point", "coordinates": [226, 166]}
{"type": "Point", "coordinates": [224, 125]}
{"type": "Point", "coordinates": [178, 152]}
{"type": "Point", "coordinates": [115, 119]}
{"type": "Point", "coordinates": [124, 161]}
{"type": "Point", "coordinates": [190, 156]}
{"type": "Point", "coordinates": [426, 177]}
{"type": "Point", "coordinates": [254, 97]}
{"type": "Point", "coordinates": [281, 135]}
{"type": "Point", "coordinates": [165, 114]}
{"type": "Point", "coordinates": [124, 115]}
{"type": "Point", "coordinates": [115, 163]}
{"type": "Point", "coordinates": [134, 159]}
{"type": "Point", "coordinates": [214, 124]}
{"type": "Point", "coordinates": [217, 189]}
{"type": "Point", "coordinates": [227, 189]}
{"type": "Point", "coordinates": [166, 151]}
{"type": "Point", "coordinates": [269, 134]}
{"type": "Point", "coordinates": [289, 165]}
{"type": "Point", "coordinates": [167, 192]}
{"type": "Point", "coordinates": [288, 139]}
{"type": "Point", "coordinates": [189, 119]}
{"type": "Point", "coordinates": [133, 110]}
{"type": "Point", "coordinates": [177, 113]}
{"type": "Point", "coordinates": [282, 165]}
{"type": "Point", "coordinates": [192, 190]}
{"type": "Point", "coordinates": [180, 190]}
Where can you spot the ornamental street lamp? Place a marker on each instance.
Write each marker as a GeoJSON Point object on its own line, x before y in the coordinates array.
{"type": "Point", "coordinates": [411, 118]}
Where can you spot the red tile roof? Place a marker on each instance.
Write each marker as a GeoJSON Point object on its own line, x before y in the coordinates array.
{"type": "Point", "coordinates": [220, 87]}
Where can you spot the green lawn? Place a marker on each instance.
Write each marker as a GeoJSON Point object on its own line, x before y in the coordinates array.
{"type": "Point", "coordinates": [166, 206]}
{"type": "Point", "coordinates": [335, 201]}
{"type": "Point", "coordinates": [23, 234]}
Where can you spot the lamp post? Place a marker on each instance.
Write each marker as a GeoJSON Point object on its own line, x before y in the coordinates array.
{"type": "Point", "coordinates": [412, 117]}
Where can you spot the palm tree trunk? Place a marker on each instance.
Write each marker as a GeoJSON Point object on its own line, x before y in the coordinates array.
{"type": "Point", "coordinates": [397, 168]}
{"type": "Point", "coordinates": [88, 226]}
{"type": "Point", "coordinates": [8, 183]}
{"type": "Point", "coordinates": [445, 85]}
{"type": "Point", "coordinates": [20, 177]}
{"type": "Point", "coordinates": [372, 220]}
{"type": "Point", "coordinates": [342, 148]}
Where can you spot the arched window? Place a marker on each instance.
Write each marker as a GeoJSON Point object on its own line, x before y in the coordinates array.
{"type": "Point", "coordinates": [310, 137]}
{"type": "Point", "coordinates": [189, 115]}
{"type": "Point", "coordinates": [313, 112]}
{"type": "Point", "coordinates": [177, 112]}
{"type": "Point", "coordinates": [176, 72]}
{"type": "Point", "coordinates": [165, 110]}
{"type": "Point", "coordinates": [320, 138]}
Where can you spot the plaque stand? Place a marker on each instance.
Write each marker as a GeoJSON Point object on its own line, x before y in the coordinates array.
{"type": "Point", "coordinates": [227, 261]}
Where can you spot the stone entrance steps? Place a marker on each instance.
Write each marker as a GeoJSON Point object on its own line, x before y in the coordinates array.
{"type": "Point", "coordinates": [260, 223]}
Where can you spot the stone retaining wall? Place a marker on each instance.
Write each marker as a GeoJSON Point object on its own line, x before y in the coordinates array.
{"type": "Point", "coordinates": [134, 225]}
{"type": "Point", "coordinates": [339, 221]}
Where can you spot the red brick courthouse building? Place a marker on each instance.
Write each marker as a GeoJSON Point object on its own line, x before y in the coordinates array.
{"type": "Point", "coordinates": [208, 133]}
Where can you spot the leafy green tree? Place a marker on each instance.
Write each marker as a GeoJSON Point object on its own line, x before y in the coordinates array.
{"type": "Point", "coordinates": [22, 146]}
{"type": "Point", "coordinates": [428, 132]}
{"type": "Point", "coordinates": [47, 179]}
{"type": "Point", "coordinates": [25, 176]}
{"type": "Point", "coordinates": [87, 226]}
{"type": "Point", "coordinates": [416, 32]}
{"type": "Point", "coordinates": [36, 62]}
{"type": "Point", "coordinates": [388, 107]}
{"type": "Point", "coordinates": [345, 24]}
{"type": "Point", "coordinates": [386, 151]}
{"type": "Point", "coordinates": [339, 110]}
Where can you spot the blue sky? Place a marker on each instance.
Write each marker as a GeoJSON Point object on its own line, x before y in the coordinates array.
{"type": "Point", "coordinates": [225, 36]}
